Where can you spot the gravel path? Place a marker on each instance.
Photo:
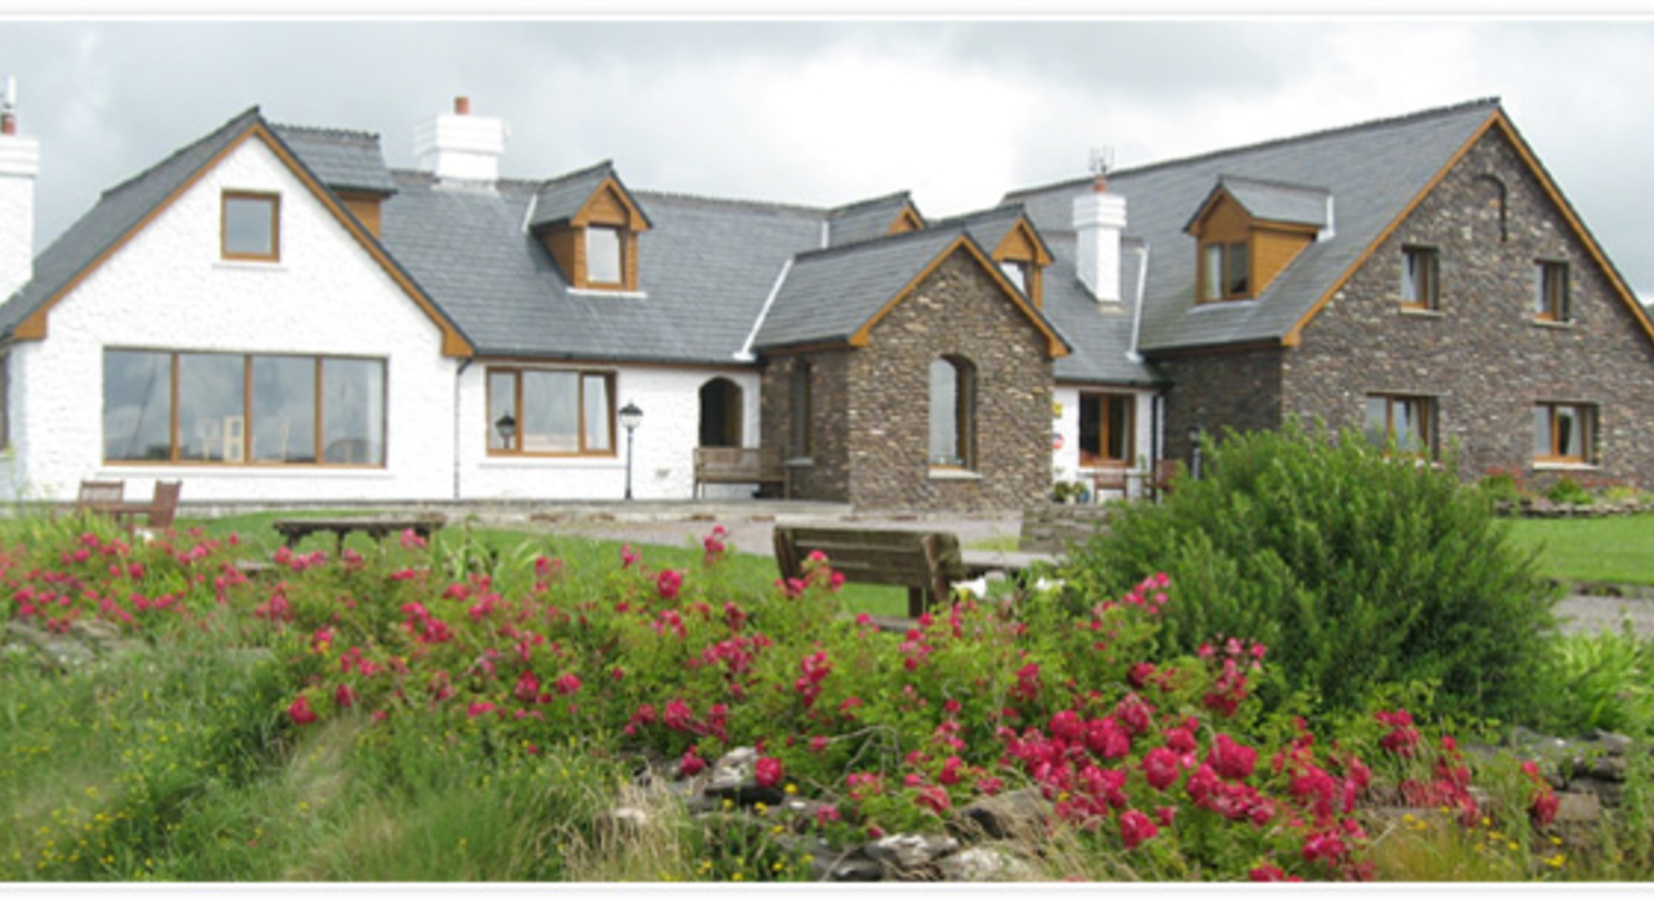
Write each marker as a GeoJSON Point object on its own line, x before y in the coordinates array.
{"type": "Point", "coordinates": [1589, 615]}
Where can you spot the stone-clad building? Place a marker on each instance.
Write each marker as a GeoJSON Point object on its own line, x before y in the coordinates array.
{"type": "Point", "coordinates": [273, 314]}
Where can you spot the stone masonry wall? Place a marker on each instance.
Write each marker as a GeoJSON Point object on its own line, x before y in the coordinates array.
{"type": "Point", "coordinates": [1482, 356]}
{"type": "Point", "coordinates": [1239, 389]}
{"type": "Point", "coordinates": [957, 311]}
{"type": "Point", "coordinates": [826, 475]}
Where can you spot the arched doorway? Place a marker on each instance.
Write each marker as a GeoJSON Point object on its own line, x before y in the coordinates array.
{"type": "Point", "coordinates": [720, 413]}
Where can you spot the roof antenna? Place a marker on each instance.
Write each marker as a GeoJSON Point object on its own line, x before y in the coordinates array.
{"type": "Point", "coordinates": [1101, 163]}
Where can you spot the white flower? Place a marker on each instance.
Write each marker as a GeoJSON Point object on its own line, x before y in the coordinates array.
{"type": "Point", "coordinates": [977, 588]}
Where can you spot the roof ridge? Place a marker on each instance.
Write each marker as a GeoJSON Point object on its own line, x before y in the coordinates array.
{"type": "Point", "coordinates": [604, 165]}
{"type": "Point", "coordinates": [760, 205]}
{"type": "Point", "coordinates": [327, 131]}
{"type": "Point", "coordinates": [1018, 208]}
{"type": "Point", "coordinates": [1370, 124]}
{"type": "Point", "coordinates": [834, 212]}
{"type": "Point", "coordinates": [241, 120]}
{"type": "Point", "coordinates": [883, 240]}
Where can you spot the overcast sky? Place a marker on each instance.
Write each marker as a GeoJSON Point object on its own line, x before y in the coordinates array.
{"type": "Point", "coordinates": [827, 112]}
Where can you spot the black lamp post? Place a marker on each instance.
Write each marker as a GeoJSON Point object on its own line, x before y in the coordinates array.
{"type": "Point", "coordinates": [1195, 437]}
{"type": "Point", "coordinates": [630, 418]}
{"type": "Point", "coordinates": [507, 428]}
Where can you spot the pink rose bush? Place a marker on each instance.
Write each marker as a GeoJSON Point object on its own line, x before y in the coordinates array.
{"type": "Point", "coordinates": [1171, 764]}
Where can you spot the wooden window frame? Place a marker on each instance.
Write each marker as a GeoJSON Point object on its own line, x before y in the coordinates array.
{"type": "Point", "coordinates": [1100, 460]}
{"type": "Point", "coordinates": [964, 415]}
{"type": "Point", "coordinates": [624, 239]}
{"type": "Point", "coordinates": [1586, 415]}
{"type": "Point", "coordinates": [581, 375]}
{"type": "Point", "coordinates": [1425, 422]}
{"type": "Point", "coordinates": [1427, 286]}
{"type": "Point", "coordinates": [1226, 252]}
{"type": "Point", "coordinates": [274, 200]}
{"type": "Point", "coordinates": [1551, 291]}
{"type": "Point", "coordinates": [175, 456]}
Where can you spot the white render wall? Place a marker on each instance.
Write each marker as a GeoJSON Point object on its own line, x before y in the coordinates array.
{"type": "Point", "coordinates": [167, 289]}
{"type": "Point", "coordinates": [1065, 462]}
{"type": "Point", "coordinates": [663, 445]}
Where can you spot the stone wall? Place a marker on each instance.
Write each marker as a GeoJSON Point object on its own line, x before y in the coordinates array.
{"type": "Point", "coordinates": [1482, 356]}
{"type": "Point", "coordinates": [958, 311]}
{"type": "Point", "coordinates": [1239, 389]}
{"type": "Point", "coordinates": [825, 473]}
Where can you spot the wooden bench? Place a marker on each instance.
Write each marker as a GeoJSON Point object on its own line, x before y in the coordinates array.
{"type": "Point", "coordinates": [99, 496]}
{"type": "Point", "coordinates": [739, 465]}
{"type": "Point", "coordinates": [927, 563]}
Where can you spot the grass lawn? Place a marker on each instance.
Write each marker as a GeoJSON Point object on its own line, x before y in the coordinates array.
{"type": "Point", "coordinates": [747, 572]}
{"type": "Point", "coordinates": [1618, 549]}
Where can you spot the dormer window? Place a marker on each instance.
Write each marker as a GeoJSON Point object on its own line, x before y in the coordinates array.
{"type": "Point", "coordinates": [250, 226]}
{"type": "Point", "coordinates": [604, 263]}
{"type": "Point", "coordinates": [590, 224]}
{"type": "Point", "coordinates": [1226, 271]}
{"type": "Point", "coordinates": [1017, 272]}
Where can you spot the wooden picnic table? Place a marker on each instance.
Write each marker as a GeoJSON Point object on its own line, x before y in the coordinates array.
{"type": "Point", "coordinates": [376, 527]}
{"type": "Point", "coordinates": [1012, 562]}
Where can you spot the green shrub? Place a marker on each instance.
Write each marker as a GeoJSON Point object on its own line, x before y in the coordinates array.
{"type": "Point", "coordinates": [1604, 681]}
{"type": "Point", "coordinates": [1567, 490]}
{"type": "Point", "coordinates": [1356, 568]}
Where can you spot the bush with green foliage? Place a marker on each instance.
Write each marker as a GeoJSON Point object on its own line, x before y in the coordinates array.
{"type": "Point", "coordinates": [1359, 568]}
{"type": "Point", "coordinates": [1603, 680]}
{"type": "Point", "coordinates": [1567, 490]}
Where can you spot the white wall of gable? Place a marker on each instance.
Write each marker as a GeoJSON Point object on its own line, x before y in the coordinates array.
{"type": "Point", "coordinates": [1065, 460]}
{"type": "Point", "coordinates": [663, 445]}
{"type": "Point", "coordinates": [167, 289]}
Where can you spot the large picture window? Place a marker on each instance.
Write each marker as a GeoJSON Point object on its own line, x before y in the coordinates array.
{"type": "Point", "coordinates": [550, 412]}
{"type": "Point", "coordinates": [232, 408]}
{"type": "Point", "coordinates": [1106, 426]}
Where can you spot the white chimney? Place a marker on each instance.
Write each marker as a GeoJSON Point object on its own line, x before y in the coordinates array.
{"type": "Point", "coordinates": [1099, 221]}
{"type": "Point", "coordinates": [19, 164]}
{"type": "Point", "coordinates": [460, 147]}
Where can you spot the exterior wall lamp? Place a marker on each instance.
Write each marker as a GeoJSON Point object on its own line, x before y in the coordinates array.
{"type": "Point", "coordinates": [630, 418]}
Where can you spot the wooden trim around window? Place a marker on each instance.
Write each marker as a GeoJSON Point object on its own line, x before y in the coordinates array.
{"type": "Point", "coordinates": [274, 200]}
{"type": "Point", "coordinates": [1586, 416]}
{"type": "Point", "coordinates": [580, 376]}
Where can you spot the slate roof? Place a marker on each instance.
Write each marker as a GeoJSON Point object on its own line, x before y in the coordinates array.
{"type": "Point", "coordinates": [1373, 171]}
{"type": "Point", "coordinates": [342, 160]}
{"type": "Point", "coordinates": [560, 198]}
{"type": "Point", "coordinates": [117, 211]}
{"type": "Point", "coordinates": [1100, 333]}
{"type": "Point", "coordinates": [704, 271]}
{"type": "Point", "coordinates": [864, 220]}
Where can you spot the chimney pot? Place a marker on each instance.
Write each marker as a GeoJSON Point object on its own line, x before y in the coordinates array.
{"type": "Point", "coordinates": [8, 123]}
{"type": "Point", "coordinates": [462, 106]}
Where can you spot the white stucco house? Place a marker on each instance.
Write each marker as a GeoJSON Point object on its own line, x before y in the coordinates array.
{"type": "Point", "coordinates": [271, 314]}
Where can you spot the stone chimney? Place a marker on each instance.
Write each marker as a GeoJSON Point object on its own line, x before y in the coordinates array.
{"type": "Point", "coordinates": [461, 148]}
{"type": "Point", "coordinates": [1099, 221]}
{"type": "Point", "coordinates": [19, 164]}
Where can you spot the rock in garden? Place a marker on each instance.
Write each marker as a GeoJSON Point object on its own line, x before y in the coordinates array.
{"type": "Point", "coordinates": [984, 864]}
{"type": "Point", "coordinates": [910, 854]}
{"type": "Point", "coordinates": [622, 823]}
{"type": "Point", "coordinates": [1010, 814]}
{"type": "Point", "coordinates": [734, 776]}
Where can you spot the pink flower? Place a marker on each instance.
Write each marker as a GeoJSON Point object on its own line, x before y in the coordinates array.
{"type": "Point", "coordinates": [668, 583]}
{"type": "Point", "coordinates": [412, 541]}
{"type": "Point", "coordinates": [1231, 760]}
{"type": "Point", "coordinates": [1271, 872]}
{"type": "Point", "coordinates": [1160, 768]}
{"type": "Point", "coordinates": [568, 684]}
{"type": "Point", "coordinates": [479, 708]}
{"type": "Point", "coordinates": [691, 764]}
{"type": "Point", "coordinates": [933, 798]}
{"type": "Point", "coordinates": [1135, 828]}
{"type": "Point", "coordinates": [768, 771]}
{"type": "Point", "coordinates": [344, 697]}
{"type": "Point", "coordinates": [299, 711]}
{"type": "Point", "coordinates": [628, 556]}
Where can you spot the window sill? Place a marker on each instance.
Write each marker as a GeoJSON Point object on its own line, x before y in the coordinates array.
{"type": "Point", "coordinates": [799, 462]}
{"type": "Point", "coordinates": [608, 292]}
{"type": "Point", "coordinates": [250, 265]}
{"type": "Point", "coordinates": [1422, 312]}
{"type": "Point", "coordinates": [950, 474]}
{"type": "Point", "coordinates": [1565, 467]}
{"type": "Point", "coordinates": [1549, 323]}
{"type": "Point", "coordinates": [140, 469]}
{"type": "Point", "coordinates": [519, 461]}
{"type": "Point", "coordinates": [1224, 304]}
